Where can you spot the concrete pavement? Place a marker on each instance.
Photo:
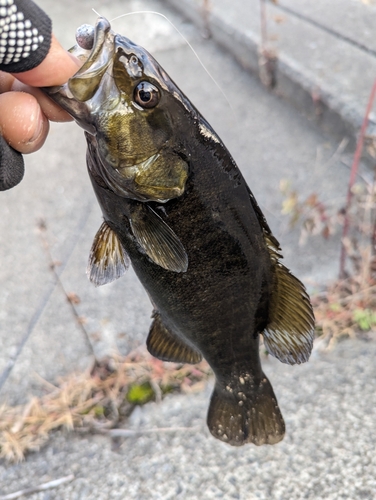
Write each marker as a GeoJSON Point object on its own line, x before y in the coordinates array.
{"type": "Point", "coordinates": [328, 452]}
{"type": "Point", "coordinates": [329, 403]}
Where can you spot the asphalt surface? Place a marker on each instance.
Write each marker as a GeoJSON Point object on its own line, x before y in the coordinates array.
{"type": "Point", "coordinates": [328, 404]}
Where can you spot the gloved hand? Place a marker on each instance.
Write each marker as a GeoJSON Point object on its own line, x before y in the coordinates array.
{"type": "Point", "coordinates": [29, 51]}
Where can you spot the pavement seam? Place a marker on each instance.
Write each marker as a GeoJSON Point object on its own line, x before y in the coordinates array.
{"type": "Point", "coordinates": [322, 27]}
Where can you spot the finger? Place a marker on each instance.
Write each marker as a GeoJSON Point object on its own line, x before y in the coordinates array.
{"type": "Point", "coordinates": [57, 67]}
{"type": "Point", "coordinates": [23, 125]}
{"type": "Point", "coordinates": [51, 110]}
{"type": "Point", "coordinates": [6, 82]}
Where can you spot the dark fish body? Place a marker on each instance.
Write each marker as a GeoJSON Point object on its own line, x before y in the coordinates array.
{"type": "Point", "coordinates": [177, 206]}
{"type": "Point", "coordinates": [221, 301]}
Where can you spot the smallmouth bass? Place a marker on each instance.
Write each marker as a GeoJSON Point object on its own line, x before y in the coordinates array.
{"type": "Point", "coordinates": [176, 207]}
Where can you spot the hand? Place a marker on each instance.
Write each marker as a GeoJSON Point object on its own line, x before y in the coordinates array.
{"type": "Point", "coordinates": [26, 110]}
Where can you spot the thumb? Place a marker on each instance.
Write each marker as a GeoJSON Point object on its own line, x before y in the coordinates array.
{"type": "Point", "coordinates": [57, 67]}
{"type": "Point", "coordinates": [28, 49]}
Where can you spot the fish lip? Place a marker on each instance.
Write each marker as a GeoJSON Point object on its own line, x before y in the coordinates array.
{"type": "Point", "coordinates": [101, 31]}
{"type": "Point", "coordinates": [74, 97]}
{"type": "Point", "coordinates": [96, 63]}
{"type": "Point", "coordinates": [121, 41]}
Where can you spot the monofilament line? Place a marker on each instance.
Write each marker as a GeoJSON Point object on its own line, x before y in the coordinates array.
{"type": "Point", "coordinates": [185, 40]}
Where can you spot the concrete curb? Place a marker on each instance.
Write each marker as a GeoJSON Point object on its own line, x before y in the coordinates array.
{"type": "Point", "coordinates": [319, 100]}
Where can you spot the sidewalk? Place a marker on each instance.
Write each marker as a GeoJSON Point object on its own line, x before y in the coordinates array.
{"type": "Point", "coordinates": [325, 51]}
{"type": "Point", "coordinates": [329, 403]}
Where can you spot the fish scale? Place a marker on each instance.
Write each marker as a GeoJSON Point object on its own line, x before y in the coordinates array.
{"type": "Point", "coordinates": [176, 206]}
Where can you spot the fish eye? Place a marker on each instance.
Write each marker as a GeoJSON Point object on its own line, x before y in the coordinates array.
{"type": "Point", "coordinates": [146, 95]}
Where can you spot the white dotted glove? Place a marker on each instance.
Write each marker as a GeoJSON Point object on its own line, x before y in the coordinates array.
{"type": "Point", "coordinates": [25, 39]}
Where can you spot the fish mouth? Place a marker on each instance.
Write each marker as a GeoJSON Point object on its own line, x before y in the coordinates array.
{"type": "Point", "coordinates": [84, 84]}
{"type": "Point", "coordinates": [97, 58]}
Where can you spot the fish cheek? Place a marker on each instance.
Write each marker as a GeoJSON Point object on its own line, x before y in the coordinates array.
{"type": "Point", "coordinates": [166, 176]}
{"type": "Point", "coordinates": [124, 139]}
{"type": "Point", "coordinates": [150, 131]}
{"type": "Point", "coordinates": [159, 125]}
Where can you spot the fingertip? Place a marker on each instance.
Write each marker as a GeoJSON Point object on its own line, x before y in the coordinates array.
{"type": "Point", "coordinates": [23, 124]}
{"type": "Point", "coordinates": [42, 138]}
{"type": "Point", "coordinates": [50, 109]}
{"type": "Point", "coordinates": [6, 82]}
{"type": "Point", "coordinates": [42, 127]}
{"type": "Point", "coordinates": [58, 66]}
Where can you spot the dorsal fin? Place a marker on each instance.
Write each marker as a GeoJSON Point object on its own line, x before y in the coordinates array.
{"type": "Point", "coordinates": [107, 260]}
{"type": "Point", "coordinates": [167, 346]}
{"type": "Point", "coordinates": [290, 330]}
{"type": "Point", "coordinates": [272, 240]}
{"type": "Point", "coordinates": [158, 240]}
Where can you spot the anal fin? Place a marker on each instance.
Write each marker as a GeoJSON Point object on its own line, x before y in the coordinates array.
{"type": "Point", "coordinates": [167, 346]}
{"type": "Point", "coordinates": [107, 260]}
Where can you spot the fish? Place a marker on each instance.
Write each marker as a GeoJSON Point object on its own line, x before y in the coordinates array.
{"type": "Point", "coordinates": [176, 207]}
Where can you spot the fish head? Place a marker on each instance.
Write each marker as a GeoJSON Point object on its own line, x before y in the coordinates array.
{"type": "Point", "coordinates": [123, 98]}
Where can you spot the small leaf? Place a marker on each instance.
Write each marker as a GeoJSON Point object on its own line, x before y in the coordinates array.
{"type": "Point", "coordinates": [73, 298]}
{"type": "Point", "coordinates": [99, 411]}
{"type": "Point", "coordinates": [365, 318]}
{"type": "Point", "coordinates": [335, 307]}
{"type": "Point", "coordinates": [139, 394]}
{"type": "Point", "coordinates": [166, 389]}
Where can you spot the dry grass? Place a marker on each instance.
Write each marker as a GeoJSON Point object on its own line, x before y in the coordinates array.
{"type": "Point", "coordinates": [93, 401]}
{"type": "Point", "coordinates": [345, 307]}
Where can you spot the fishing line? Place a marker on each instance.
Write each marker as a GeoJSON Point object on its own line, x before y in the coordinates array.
{"type": "Point", "coordinates": [185, 40]}
{"type": "Point", "coordinates": [46, 297]}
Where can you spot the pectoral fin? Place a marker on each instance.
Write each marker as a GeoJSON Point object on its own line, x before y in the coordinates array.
{"type": "Point", "coordinates": [167, 346]}
{"type": "Point", "coordinates": [158, 240]}
{"type": "Point", "coordinates": [108, 259]}
{"type": "Point", "coordinates": [290, 331]}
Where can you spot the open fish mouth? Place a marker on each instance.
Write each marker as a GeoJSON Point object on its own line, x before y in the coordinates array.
{"type": "Point", "coordinates": [95, 48]}
{"type": "Point", "coordinates": [95, 45]}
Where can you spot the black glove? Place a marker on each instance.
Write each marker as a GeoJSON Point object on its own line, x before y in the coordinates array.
{"type": "Point", "coordinates": [25, 39]}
